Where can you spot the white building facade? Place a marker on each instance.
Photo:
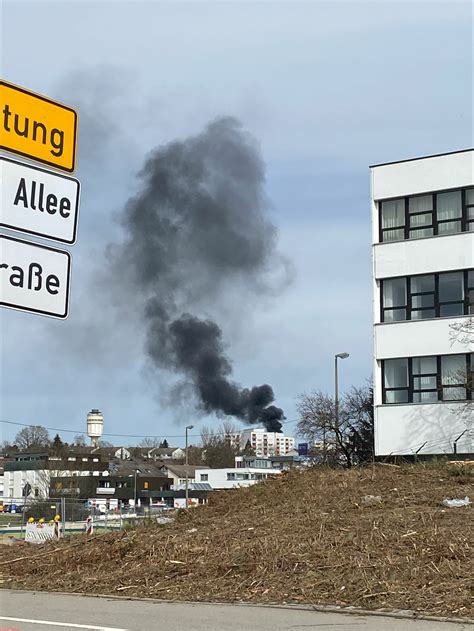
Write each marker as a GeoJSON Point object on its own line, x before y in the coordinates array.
{"type": "Point", "coordinates": [423, 287]}
{"type": "Point", "coordinates": [231, 478]}
{"type": "Point", "coordinates": [266, 443]}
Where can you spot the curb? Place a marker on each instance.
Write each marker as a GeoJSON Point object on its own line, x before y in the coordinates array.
{"type": "Point", "coordinates": [347, 610]}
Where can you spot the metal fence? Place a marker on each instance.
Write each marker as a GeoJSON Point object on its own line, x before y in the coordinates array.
{"type": "Point", "coordinates": [73, 515]}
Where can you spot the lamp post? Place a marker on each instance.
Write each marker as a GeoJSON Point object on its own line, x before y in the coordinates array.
{"type": "Point", "coordinates": [186, 492]}
{"type": "Point", "coordinates": [336, 389]}
{"type": "Point", "coordinates": [135, 492]}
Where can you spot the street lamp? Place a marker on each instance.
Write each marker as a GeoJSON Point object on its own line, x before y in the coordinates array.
{"type": "Point", "coordinates": [336, 388]}
{"type": "Point", "coordinates": [135, 492]}
{"type": "Point", "coordinates": [186, 492]}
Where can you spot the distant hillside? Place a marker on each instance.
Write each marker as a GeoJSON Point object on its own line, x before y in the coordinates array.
{"type": "Point", "coordinates": [309, 537]}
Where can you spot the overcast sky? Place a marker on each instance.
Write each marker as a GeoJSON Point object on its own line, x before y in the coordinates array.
{"type": "Point", "coordinates": [325, 88]}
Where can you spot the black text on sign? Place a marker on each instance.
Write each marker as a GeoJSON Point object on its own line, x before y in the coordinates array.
{"type": "Point", "coordinates": [34, 278]}
{"type": "Point", "coordinates": [38, 202]}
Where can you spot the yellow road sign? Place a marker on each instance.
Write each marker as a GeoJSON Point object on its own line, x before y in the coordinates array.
{"type": "Point", "coordinates": [34, 126]}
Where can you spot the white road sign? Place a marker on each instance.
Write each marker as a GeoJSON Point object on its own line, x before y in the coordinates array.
{"type": "Point", "coordinates": [38, 202]}
{"type": "Point", "coordinates": [34, 278]}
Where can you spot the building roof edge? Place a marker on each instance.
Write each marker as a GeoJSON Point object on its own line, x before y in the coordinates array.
{"type": "Point", "coordinates": [434, 155]}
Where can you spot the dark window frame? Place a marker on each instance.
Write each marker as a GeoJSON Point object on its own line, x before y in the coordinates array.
{"type": "Point", "coordinates": [437, 303]}
{"type": "Point", "coordinates": [412, 376]}
{"type": "Point", "coordinates": [468, 293]}
{"type": "Point", "coordinates": [396, 388]}
{"type": "Point", "coordinates": [469, 385]}
{"type": "Point", "coordinates": [469, 221]}
{"type": "Point", "coordinates": [465, 386]}
{"type": "Point", "coordinates": [467, 224]}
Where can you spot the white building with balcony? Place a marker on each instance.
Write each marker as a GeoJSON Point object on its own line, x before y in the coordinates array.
{"type": "Point", "coordinates": [231, 478]}
{"type": "Point", "coordinates": [266, 443]}
{"type": "Point", "coordinates": [423, 284]}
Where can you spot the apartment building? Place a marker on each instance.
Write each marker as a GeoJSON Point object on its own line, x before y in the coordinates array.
{"type": "Point", "coordinates": [423, 288]}
{"type": "Point", "coordinates": [267, 443]}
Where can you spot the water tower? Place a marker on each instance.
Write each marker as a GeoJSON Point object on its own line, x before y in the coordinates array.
{"type": "Point", "coordinates": [95, 426]}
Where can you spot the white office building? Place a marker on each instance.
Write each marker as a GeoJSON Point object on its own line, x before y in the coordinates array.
{"type": "Point", "coordinates": [423, 268]}
{"type": "Point", "coordinates": [266, 443]}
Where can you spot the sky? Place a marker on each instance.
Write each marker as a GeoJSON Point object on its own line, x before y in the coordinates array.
{"type": "Point", "coordinates": [325, 88]}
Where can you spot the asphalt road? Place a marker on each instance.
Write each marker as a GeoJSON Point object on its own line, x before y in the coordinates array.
{"type": "Point", "coordinates": [29, 611]}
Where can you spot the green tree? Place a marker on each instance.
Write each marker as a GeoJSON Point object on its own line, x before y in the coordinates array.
{"type": "Point", "coordinates": [248, 449]}
{"type": "Point", "coordinates": [164, 444]}
{"type": "Point", "coordinates": [58, 446]}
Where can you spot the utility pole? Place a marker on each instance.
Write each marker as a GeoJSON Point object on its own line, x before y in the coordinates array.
{"type": "Point", "coordinates": [186, 492]}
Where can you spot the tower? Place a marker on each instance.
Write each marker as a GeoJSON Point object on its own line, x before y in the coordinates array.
{"type": "Point", "coordinates": [95, 426]}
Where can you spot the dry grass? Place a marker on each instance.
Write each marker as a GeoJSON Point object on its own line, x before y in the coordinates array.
{"type": "Point", "coordinates": [306, 538]}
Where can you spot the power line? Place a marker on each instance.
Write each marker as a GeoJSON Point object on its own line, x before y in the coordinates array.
{"type": "Point", "coordinates": [160, 436]}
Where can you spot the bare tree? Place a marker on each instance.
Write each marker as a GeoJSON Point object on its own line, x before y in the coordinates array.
{"type": "Point", "coordinates": [150, 442]}
{"type": "Point", "coordinates": [463, 332]}
{"type": "Point", "coordinates": [347, 439]}
{"type": "Point", "coordinates": [79, 441]}
{"type": "Point", "coordinates": [32, 437]}
{"type": "Point", "coordinates": [105, 443]}
{"type": "Point", "coordinates": [220, 446]}
{"type": "Point", "coordinates": [227, 431]}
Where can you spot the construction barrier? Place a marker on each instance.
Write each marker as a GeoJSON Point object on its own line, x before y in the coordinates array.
{"type": "Point", "coordinates": [89, 526]}
{"type": "Point", "coordinates": [39, 532]}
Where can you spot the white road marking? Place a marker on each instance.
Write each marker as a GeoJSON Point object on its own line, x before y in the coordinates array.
{"type": "Point", "coordinates": [62, 624]}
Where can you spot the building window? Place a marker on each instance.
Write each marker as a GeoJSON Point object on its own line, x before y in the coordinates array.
{"type": "Point", "coordinates": [428, 379]}
{"type": "Point", "coordinates": [393, 220]}
{"type": "Point", "coordinates": [422, 297]}
{"type": "Point", "coordinates": [419, 216]}
{"type": "Point", "coordinates": [470, 208]}
{"type": "Point", "coordinates": [451, 294]}
{"type": "Point", "coordinates": [449, 212]}
{"type": "Point", "coordinates": [231, 476]}
{"type": "Point", "coordinates": [396, 381]}
{"type": "Point", "coordinates": [453, 377]}
{"type": "Point", "coordinates": [394, 300]}
{"type": "Point", "coordinates": [424, 374]}
{"type": "Point", "coordinates": [205, 476]}
{"type": "Point", "coordinates": [447, 294]}
{"type": "Point", "coordinates": [470, 291]}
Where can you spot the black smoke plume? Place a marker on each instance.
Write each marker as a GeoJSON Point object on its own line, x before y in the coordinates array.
{"type": "Point", "coordinates": [198, 241]}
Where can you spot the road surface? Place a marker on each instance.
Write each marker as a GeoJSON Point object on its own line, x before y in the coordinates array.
{"type": "Point", "coordinates": [30, 611]}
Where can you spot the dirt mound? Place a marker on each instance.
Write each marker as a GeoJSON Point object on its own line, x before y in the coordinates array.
{"type": "Point", "coordinates": [375, 537]}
